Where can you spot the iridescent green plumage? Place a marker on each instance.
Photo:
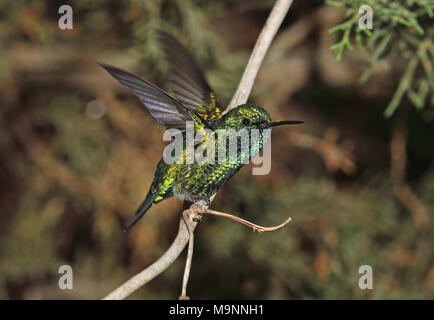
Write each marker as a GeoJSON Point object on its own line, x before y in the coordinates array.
{"type": "Point", "coordinates": [193, 100]}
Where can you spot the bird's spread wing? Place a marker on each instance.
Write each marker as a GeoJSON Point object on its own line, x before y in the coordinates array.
{"type": "Point", "coordinates": [165, 109]}
{"type": "Point", "coordinates": [188, 84]}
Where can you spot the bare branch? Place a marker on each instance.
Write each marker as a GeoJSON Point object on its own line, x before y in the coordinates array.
{"type": "Point", "coordinates": [156, 268]}
{"type": "Point", "coordinates": [255, 227]}
{"type": "Point", "coordinates": [268, 32]}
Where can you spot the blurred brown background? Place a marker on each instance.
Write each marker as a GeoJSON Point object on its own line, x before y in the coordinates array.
{"type": "Point", "coordinates": [78, 154]}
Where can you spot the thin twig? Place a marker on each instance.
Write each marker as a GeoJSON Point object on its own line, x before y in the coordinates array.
{"type": "Point", "coordinates": [154, 269]}
{"type": "Point", "coordinates": [187, 220]}
{"type": "Point", "coordinates": [268, 32]}
{"type": "Point", "coordinates": [255, 227]}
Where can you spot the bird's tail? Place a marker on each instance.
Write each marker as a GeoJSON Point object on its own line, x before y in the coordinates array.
{"type": "Point", "coordinates": [141, 210]}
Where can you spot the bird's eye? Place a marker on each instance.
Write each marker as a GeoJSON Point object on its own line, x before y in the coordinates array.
{"type": "Point", "coordinates": [245, 121]}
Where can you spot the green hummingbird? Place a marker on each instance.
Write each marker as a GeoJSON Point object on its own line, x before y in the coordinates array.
{"type": "Point", "coordinates": [192, 101]}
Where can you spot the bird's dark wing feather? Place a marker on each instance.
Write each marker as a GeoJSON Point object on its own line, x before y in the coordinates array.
{"type": "Point", "coordinates": [187, 82]}
{"type": "Point", "coordinates": [141, 210]}
{"type": "Point", "coordinates": [165, 109]}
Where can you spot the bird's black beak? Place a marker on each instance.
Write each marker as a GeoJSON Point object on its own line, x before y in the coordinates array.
{"type": "Point", "coordinates": [279, 123]}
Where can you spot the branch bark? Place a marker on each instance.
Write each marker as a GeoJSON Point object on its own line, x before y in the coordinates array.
{"type": "Point", "coordinates": [267, 34]}
{"type": "Point", "coordinates": [156, 268]}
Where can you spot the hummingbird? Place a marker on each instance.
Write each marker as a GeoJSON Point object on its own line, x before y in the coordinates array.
{"type": "Point", "coordinates": [193, 101]}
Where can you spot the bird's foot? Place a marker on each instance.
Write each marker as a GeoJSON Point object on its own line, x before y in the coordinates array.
{"type": "Point", "coordinates": [198, 207]}
{"type": "Point", "coordinates": [198, 218]}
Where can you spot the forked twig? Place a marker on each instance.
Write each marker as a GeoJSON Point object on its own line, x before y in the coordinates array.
{"type": "Point", "coordinates": [268, 32]}
{"type": "Point", "coordinates": [188, 218]}
{"type": "Point", "coordinates": [255, 227]}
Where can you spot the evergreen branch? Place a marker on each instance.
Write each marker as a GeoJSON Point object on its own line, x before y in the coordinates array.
{"type": "Point", "coordinates": [401, 29]}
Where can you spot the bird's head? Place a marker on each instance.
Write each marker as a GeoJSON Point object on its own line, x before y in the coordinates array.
{"type": "Point", "coordinates": [250, 116]}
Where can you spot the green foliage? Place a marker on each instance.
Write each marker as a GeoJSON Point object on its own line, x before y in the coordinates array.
{"type": "Point", "coordinates": [333, 233]}
{"type": "Point", "coordinates": [401, 29]}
